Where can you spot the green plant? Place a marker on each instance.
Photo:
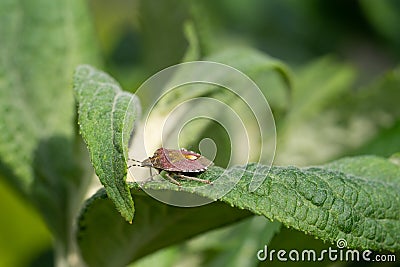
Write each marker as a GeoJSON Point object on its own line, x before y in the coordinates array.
{"type": "Point", "coordinates": [319, 119]}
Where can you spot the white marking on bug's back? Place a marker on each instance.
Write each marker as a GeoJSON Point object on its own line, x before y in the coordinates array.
{"type": "Point", "coordinates": [191, 157]}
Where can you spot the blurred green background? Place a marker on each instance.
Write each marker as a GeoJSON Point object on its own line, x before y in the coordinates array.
{"type": "Point", "coordinates": [138, 38]}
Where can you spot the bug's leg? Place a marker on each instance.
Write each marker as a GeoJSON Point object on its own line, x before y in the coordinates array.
{"type": "Point", "coordinates": [149, 179]}
{"type": "Point", "coordinates": [151, 175]}
{"type": "Point", "coordinates": [193, 178]}
{"type": "Point", "coordinates": [172, 180]}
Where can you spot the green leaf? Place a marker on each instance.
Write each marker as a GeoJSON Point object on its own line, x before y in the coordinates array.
{"type": "Point", "coordinates": [241, 241]}
{"type": "Point", "coordinates": [106, 120]}
{"type": "Point", "coordinates": [384, 16]}
{"type": "Point", "coordinates": [377, 103]}
{"type": "Point", "coordinates": [234, 245]}
{"type": "Point", "coordinates": [19, 244]}
{"type": "Point", "coordinates": [318, 84]}
{"type": "Point", "coordinates": [156, 225]}
{"type": "Point", "coordinates": [347, 199]}
{"type": "Point", "coordinates": [285, 242]}
{"type": "Point", "coordinates": [370, 167]}
{"type": "Point", "coordinates": [335, 121]}
{"type": "Point", "coordinates": [272, 76]}
{"type": "Point", "coordinates": [35, 99]}
{"type": "Point", "coordinates": [385, 143]}
{"type": "Point", "coordinates": [159, 27]}
{"type": "Point", "coordinates": [193, 51]}
{"type": "Point", "coordinates": [42, 41]}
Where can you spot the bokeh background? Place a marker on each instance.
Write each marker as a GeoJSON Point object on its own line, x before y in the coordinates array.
{"type": "Point", "coordinates": [138, 38]}
{"type": "Point", "coordinates": [142, 37]}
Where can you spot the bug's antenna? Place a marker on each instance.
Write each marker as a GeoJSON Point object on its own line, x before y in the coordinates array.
{"type": "Point", "coordinates": [135, 164]}
{"type": "Point", "coordinates": [135, 160]}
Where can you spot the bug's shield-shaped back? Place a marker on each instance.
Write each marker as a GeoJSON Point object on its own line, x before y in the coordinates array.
{"type": "Point", "coordinates": [179, 160]}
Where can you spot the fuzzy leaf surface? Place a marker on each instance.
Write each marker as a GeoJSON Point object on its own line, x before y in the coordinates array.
{"type": "Point", "coordinates": [106, 118]}
{"type": "Point", "coordinates": [347, 199]}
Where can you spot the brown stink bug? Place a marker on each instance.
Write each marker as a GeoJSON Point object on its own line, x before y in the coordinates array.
{"type": "Point", "coordinates": [180, 163]}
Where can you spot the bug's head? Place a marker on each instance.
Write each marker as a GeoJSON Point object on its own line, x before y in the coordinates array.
{"type": "Point", "coordinates": [146, 163]}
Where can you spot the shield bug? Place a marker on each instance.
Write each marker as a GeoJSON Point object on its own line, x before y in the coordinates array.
{"type": "Point", "coordinates": [180, 163]}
